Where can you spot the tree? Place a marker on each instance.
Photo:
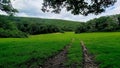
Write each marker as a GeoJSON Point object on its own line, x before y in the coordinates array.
{"type": "Point", "coordinates": [119, 20]}
{"type": "Point", "coordinates": [81, 28]}
{"type": "Point", "coordinates": [5, 5]}
{"type": "Point", "coordinates": [76, 7]}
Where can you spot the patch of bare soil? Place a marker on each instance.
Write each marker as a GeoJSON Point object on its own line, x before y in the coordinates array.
{"type": "Point", "coordinates": [58, 60]}
{"type": "Point", "coordinates": [88, 61]}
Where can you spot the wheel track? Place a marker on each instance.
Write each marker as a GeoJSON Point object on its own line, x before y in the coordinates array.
{"type": "Point", "coordinates": [58, 60]}
{"type": "Point", "coordinates": [88, 61]}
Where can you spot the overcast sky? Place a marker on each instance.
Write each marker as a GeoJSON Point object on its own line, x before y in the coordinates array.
{"type": "Point", "coordinates": [32, 8]}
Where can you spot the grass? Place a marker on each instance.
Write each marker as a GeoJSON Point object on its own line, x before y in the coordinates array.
{"type": "Point", "coordinates": [17, 53]}
{"type": "Point", "coordinates": [105, 47]}
{"type": "Point", "coordinates": [75, 55]}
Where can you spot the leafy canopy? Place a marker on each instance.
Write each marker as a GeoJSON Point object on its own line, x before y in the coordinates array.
{"type": "Point", "coordinates": [76, 7]}
{"type": "Point", "coordinates": [5, 5]}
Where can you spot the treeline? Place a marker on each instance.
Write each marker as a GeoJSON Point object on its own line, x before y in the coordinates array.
{"type": "Point", "coordinates": [22, 27]}
{"type": "Point", "coordinates": [9, 29]}
{"type": "Point", "coordinates": [37, 28]}
{"type": "Point", "coordinates": [21, 30]}
{"type": "Point", "coordinates": [62, 24]}
{"type": "Point", "coordinates": [102, 24]}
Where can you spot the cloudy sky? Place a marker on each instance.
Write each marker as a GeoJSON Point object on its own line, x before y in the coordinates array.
{"type": "Point", "coordinates": [32, 8]}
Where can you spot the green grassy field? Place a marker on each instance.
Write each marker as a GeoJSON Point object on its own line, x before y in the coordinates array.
{"type": "Point", "coordinates": [105, 47]}
{"type": "Point", "coordinates": [15, 52]}
{"type": "Point", "coordinates": [20, 52]}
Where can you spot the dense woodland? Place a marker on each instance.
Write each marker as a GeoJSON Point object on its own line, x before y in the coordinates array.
{"type": "Point", "coordinates": [102, 24]}
{"type": "Point", "coordinates": [22, 27]}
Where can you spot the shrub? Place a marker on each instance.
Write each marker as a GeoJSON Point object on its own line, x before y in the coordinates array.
{"type": "Point", "coordinates": [81, 28]}
{"type": "Point", "coordinates": [9, 29]}
{"type": "Point", "coordinates": [37, 28]}
{"type": "Point", "coordinates": [12, 33]}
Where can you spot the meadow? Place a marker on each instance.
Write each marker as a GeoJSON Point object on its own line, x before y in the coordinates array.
{"type": "Point", "coordinates": [22, 52]}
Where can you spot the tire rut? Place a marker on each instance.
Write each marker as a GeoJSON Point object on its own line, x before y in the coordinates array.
{"type": "Point", "coordinates": [88, 61]}
{"type": "Point", "coordinates": [58, 60]}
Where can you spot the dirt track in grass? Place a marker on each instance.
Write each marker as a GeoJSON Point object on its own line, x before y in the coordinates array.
{"type": "Point", "coordinates": [58, 60]}
{"type": "Point", "coordinates": [88, 60]}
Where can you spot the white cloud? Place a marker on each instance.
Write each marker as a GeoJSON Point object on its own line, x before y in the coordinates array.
{"type": "Point", "coordinates": [2, 13]}
{"type": "Point", "coordinates": [32, 8]}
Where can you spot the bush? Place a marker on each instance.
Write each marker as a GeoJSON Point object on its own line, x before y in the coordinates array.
{"type": "Point", "coordinates": [37, 28]}
{"type": "Point", "coordinates": [12, 33]}
{"type": "Point", "coordinates": [102, 24]}
{"type": "Point", "coordinates": [9, 29]}
{"type": "Point", "coordinates": [81, 28]}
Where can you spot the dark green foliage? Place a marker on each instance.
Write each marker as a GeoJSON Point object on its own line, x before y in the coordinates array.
{"type": "Point", "coordinates": [64, 25]}
{"type": "Point", "coordinates": [119, 20]}
{"type": "Point", "coordinates": [102, 24]}
{"type": "Point", "coordinates": [6, 24]}
{"type": "Point", "coordinates": [83, 7]}
{"type": "Point", "coordinates": [9, 29]}
{"type": "Point", "coordinates": [75, 6]}
{"type": "Point", "coordinates": [12, 33]}
{"type": "Point", "coordinates": [37, 28]}
{"type": "Point", "coordinates": [5, 5]}
{"type": "Point", "coordinates": [81, 28]}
